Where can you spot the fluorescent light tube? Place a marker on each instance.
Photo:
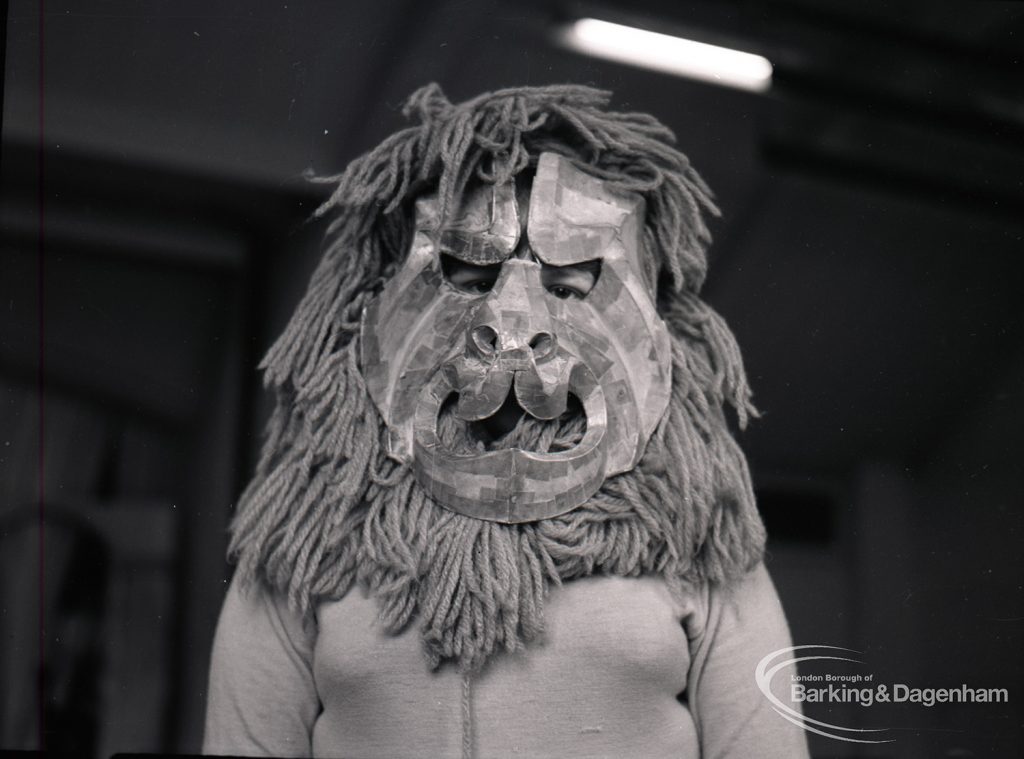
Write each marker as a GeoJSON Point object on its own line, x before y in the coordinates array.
{"type": "Point", "coordinates": [672, 55]}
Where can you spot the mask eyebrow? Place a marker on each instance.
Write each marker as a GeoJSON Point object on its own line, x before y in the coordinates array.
{"type": "Point", "coordinates": [485, 228]}
{"type": "Point", "coordinates": [592, 266]}
{"type": "Point", "coordinates": [576, 217]}
{"type": "Point", "coordinates": [471, 247]}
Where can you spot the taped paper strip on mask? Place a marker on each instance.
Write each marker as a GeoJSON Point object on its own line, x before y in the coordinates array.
{"type": "Point", "coordinates": [426, 343]}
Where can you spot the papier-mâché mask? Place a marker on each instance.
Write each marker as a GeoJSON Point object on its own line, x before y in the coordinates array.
{"type": "Point", "coordinates": [424, 342]}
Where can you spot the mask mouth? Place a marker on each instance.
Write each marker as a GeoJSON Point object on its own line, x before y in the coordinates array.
{"type": "Point", "coordinates": [536, 470]}
{"type": "Point", "coordinates": [511, 426]}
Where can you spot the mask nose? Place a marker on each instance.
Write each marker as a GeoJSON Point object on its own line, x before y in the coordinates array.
{"type": "Point", "coordinates": [487, 342]}
{"type": "Point", "coordinates": [513, 323]}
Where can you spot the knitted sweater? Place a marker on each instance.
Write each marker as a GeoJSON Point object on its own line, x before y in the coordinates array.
{"type": "Point", "coordinates": [626, 668]}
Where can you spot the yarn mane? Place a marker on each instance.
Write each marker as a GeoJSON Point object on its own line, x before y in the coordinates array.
{"type": "Point", "coordinates": [327, 508]}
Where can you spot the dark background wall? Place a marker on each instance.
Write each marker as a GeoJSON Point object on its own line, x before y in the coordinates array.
{"type": "Point", "coordinates": [154, 240]}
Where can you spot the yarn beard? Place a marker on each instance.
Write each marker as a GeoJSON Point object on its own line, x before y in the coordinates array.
{"type": "Point", "coordinates": [328, 508]}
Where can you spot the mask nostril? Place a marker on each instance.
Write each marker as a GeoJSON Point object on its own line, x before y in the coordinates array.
{"type": "Point", "coordinates": [485, 339]}
{"type": "Point", "coordinates": [542, 344]}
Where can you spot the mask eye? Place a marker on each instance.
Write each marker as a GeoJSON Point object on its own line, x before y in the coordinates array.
{"type": "Point", "coordinates": [564, 293]}
{"type": "Point", "coordinates": [573, 281]}
{"type": "Point", "coordinates": [467, 277]}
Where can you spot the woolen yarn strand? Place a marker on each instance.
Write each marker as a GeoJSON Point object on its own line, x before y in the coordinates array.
{"type": "Point", "coordinates": [328, 508]}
